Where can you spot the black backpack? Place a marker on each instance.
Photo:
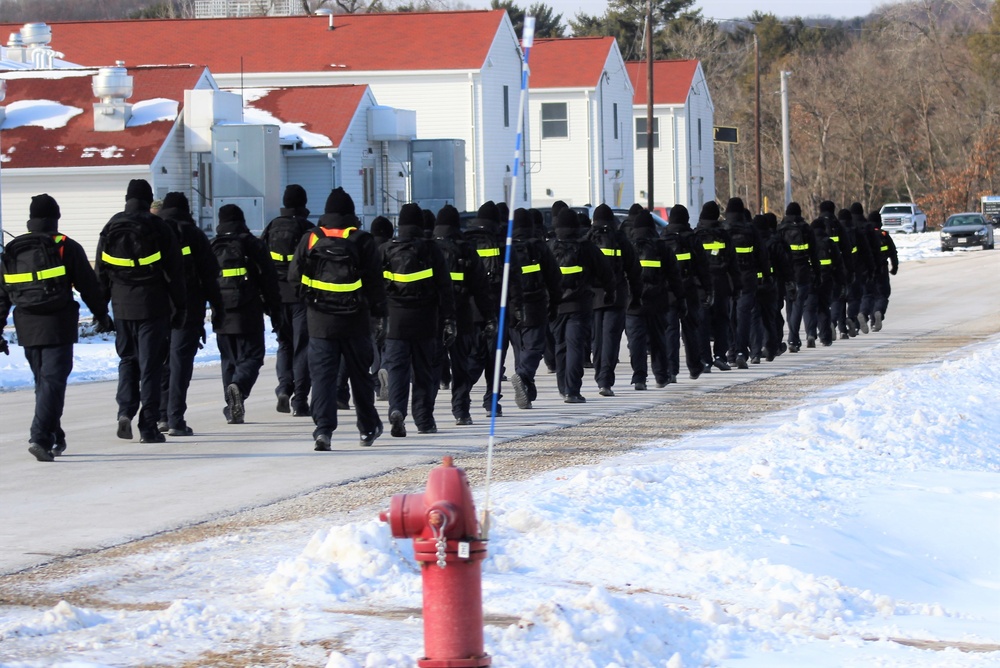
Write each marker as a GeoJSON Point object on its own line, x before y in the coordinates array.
{"type": "Point", "coordinates": [653, 285]}
{"type": "Point", "coordinates": [283, 235]}
{"type": "Point", "coordinates": [237, 278]}
{"type": "Point", "coordinates": [797, 241]}
{"type": "Point", "coordinates": [454, 259]}
{"type": "Point", "coordinates": [532, 280]}
{"type": "Point", "coordinates": [681, 246]}
{"type": "Point", "coordinates": [606, 240]}
{"type": "Point", "coordinates": [331, 275]}
{"type": "Point", "coordinates": [713, 245]}
{"type": "Point", "coordinates": [131, 250]}
{"type": "Point", "coordinates": [567, 255]}
{"type": "Point", "coordinates": [490, 252]}
{"type": "Point", "coordinates": [743, 240]}
{"type": "Point", "coordinates": [406, 266]}
{"type": "Point", "coordinates": [34, 274]}
{"type": "Point", "coordinates": [185, 230]}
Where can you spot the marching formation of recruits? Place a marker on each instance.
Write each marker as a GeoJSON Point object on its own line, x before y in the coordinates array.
{"type": "Point", "coordinates": [400, 314]}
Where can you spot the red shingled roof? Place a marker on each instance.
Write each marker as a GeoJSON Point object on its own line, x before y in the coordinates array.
{"type": "Point", "coordinates": [31, 146]}
{"type": "Point", "coordinates": [569, 63]}
{"type": "Point", "coordinates": [671, 80]}
{"type": "Point", "coordinates": [325, 110]}
{"type": "Point", "coordinates": [359, 42]}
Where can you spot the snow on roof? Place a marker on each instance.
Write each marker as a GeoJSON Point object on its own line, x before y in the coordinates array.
{"type": "Point", "coordinates": [46, 124]}
{"type": "Point", "coordinates": [672, 80]}
{"type": "Point", "coordinates": [576, 62]}
{"type": "Point", "coordinates": [457, 40]}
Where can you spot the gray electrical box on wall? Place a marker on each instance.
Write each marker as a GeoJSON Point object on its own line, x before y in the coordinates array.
{"type": "Point", "coordinates": [437, 173]}
{"type": "Point", "coordinates": [246, 171]}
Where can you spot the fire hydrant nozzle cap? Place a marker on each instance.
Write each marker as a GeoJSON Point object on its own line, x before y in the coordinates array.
{"type": "Point", "coordinates": [435, 518]}
{"type": "Point", "coordinates": [448, 461]}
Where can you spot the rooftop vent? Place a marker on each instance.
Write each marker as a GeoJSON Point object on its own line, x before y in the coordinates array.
{"type": "Point", "coordinates": [325, 11]}
{"type": "Point", "coordinates": [36, 34]}
{"type": "Point", "coordinates": [112, 85]}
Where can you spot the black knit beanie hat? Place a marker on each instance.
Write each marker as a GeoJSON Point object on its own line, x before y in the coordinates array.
{"type": "Point", "coordinates": [448, 217]}
{"type": "Point", "coordinates": [603, 215]}
{"type": "Point", "coordinates": [411, 216]}
{"type": "Point", "coordinates": [381, 227]}
{"type": "Point", "coordinates": [826, 206]}
{"type": "Point", "coordinates": [44, 206]}
{"type": "Point", "coordinates": [295, 196]}
{"type": "Point", "coordinates": [177, 201]}
{"type": "Point", "coordinates": [735, 205]}
{"type": "Point", "coordinates": [231, 213]}
{"type": "Point", "coordinates": [489, 211]}
{"type": "Point", "coordinates": [679, 215]}
{"type": "Point", "coordinates": [793, 209]}
{"type": "Point", "coordinates": [710, 211]}
{"type": "Point", "coordinates": [566, 220]}
{"type": "Point", "coordinates": [339, 202]}
{"type": "Point", "coordinates": [857, 209]}
{"type": "Point", "coordinates": [139, 189]}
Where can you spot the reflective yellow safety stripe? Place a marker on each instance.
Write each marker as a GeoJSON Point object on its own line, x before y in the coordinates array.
{"type": "Point", "coordinates": [760, 274]}
{"type": "Point", "coordinates": [127, 262]}
{"type": "Point", "coordinates": [488, 252]}
{"type": "Point", "coordinates": [611, 252]}
{"type": "Point", "coordinates": [799, 247]}
{"type": "Point", "coordinates": [714, 246]}
{"type": "Point", "coordinates": [854, 250]}
{"type": "Point", "coordinates": [651, 263]}
{"type": "Point", "coordinates": [683, 257]}
{"type": "Point", "coordinates": [825, 262]}
{"type": "Point", "coordinates": [409, 278]}
{"type": "Point", "coordinates": [186, 250]}
{"type": "Point", "coordinates": [573, 269]}
{"type": "Point", "coordinates": [235, 271]}
{"type": "Point", "coordinates": [27, 277]}
{"type": "Point", "coordinates": [744, 249]}
{"type": "Point", "coordinates": [884, 249]}
{"type": "Point", "coordinates": [531, 268]}
{"type": "Point", "coordinates": [278, 257]}
{"type": "Point", "coordinates": [458, 275]}
{"type": "Point", "coordinates": [835, 239]}
{"type": "Point", "coordinates": [331, 287]}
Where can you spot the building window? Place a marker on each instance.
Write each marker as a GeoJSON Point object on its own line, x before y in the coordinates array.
{"type": "Point", "coordinates": [699, 134]}
{"type": "Point", "coordinates": [506, 106]}
{"type": "Point", "coordinates": [614, 110]}
{"type": "Point", "coordinates": [555, 122]}
{"type": "Point", "coordinates": [368, 186]}
{"type": "Point", "coordinates": [640, 133]}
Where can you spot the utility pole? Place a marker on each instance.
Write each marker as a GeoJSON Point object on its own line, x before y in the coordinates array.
{"type": "Point", "coordinates": [786, 144]}
{"type": "Point", "coordinates": [649, 103]}
{"type": "Point", "coordinates": [756, 118]}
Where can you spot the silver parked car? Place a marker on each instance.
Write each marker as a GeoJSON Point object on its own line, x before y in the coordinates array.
{"type": "Point", "coordinates": [962, 230]}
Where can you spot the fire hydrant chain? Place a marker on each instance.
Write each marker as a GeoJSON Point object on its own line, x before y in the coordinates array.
{"type": "Point", "coordinates": [442, 543]}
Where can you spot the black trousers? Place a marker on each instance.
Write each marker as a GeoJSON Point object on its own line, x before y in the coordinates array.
{"type": "Point", "coordinates": [690, 335]}
{"type": "Point", "coordinates": [292, 360]}
{"type": "Point", "coordinates": [482, 361]}
{"type": "Point", "coordinates": [242, 357]}
{"type": "Point", "coordinates": [609, 325]}
{"type": "Point", "coordinates": [869, 293]}
{"type": "Point", "coordinates": [177, 371]}
{"type": "Point", "coordinates": [883, 288]}
{"type": "Point", "coordinates": [458, 356]}
{"type": "Point", "coordinates": [529, 349]}
{"type": "Point", "coordinates": [572, 333]}
{"type": "Point", "coordinates": [647, 337]}
{"type": "Point", "coordinates": [406, 360]}
{"type": "Point", "coordinates": [327, 357]}
{"type": "Point", "coordinates": [818, 323]}
{"type": "Point", "coordinates": [743, 317]}
{"type": "Point", "coordinates": [768, 325]}
{"type": "Point", "coordinates": [794, 309]}
{"type": "Point", "coordinates": [141, 346]}
{"type": "Point", "coordinates": [715, 323]}
{"type": "Point", "coordinates": [50, 367]}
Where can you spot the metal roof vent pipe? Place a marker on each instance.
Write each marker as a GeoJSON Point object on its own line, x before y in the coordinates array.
{"type": "Point", "coordinates": [3, 96]}
{"type": "Point", "coordinates": [327, 12]}
{"type": "Point", "coordinates": [36, 38]}
{"type": "Point", "coordinates": [16, 51]}
{"type": "Point", "coordinates": [112, 85]}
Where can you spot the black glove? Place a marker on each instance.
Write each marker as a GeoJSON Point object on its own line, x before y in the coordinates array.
{"type": "Point", "coordinates": [276, 321]}
{"type": "Point", "coordinates": [490, 331]}
{"type": "Point", "coordinates": [4, 347]}
{"type": "Point", "coordinates": [178, 319]}
{"type": "Point", "coordinates": [103, 324]}
{"type": "Point", "coordinates": [218, 318]}
{"type": "Point", "coordinates": [449, 331]}
{"type": "Point", "coordinates": [791, 291]}
{"type": "Point", "coordinates": [709, 299]}
{"type": "Point", "coordinates": [894, 270]}
{"type": "Point", "coordinates": [380, 328]}
{"type": "Point", "coordinates": [204, 338]}
{"type": "Point", "coordinates": [609, 297]}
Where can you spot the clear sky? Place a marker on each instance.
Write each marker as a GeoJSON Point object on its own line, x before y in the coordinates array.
{"type": "Point", "coordinates": [727, 9]}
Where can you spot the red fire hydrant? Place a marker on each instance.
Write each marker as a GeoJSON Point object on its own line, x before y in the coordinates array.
{"type": "Point", "coordinates": [446, 541]}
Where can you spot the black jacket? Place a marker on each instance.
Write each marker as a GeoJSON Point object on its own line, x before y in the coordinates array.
{"type": "Point", "coordinates": [624, 263]}
{"type": "Point", "coordinates": [153, 299]}
{"type": "Point", "coordinates": [411, 321]}
{"type": "Point", "coordinates": [577, 295]}
{"type": "Point", "coordinates": [805, 261]}
{"type": "Point", "coordinates": [201, 269]}
{"type": "Point", "coordinates": [484, 236]}
{"type": "Point", "coordinates": [299, 216]}
{"type": "Point", "coordinates": [531, 309]}
{"type": "Point", "coordinates": [680, 238]}
{"type": "Point", "coordinates": [324, 325]}
{"type": "Point", "coordinates": [60, 327]}
{"type": "Point", "coordinates": [864, 266]}
{"type": "Point", "coordinates": [249, 318]}
{"type": "Point", "coordinates": [720, 255]}
{"type": "Point", "coordinates": [471, 291]}
{"type": "Point", "coordinates": [660, 286]}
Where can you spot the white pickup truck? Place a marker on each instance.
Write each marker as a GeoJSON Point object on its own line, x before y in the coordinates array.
{"type": "Point", "coordinates": [903, 217]}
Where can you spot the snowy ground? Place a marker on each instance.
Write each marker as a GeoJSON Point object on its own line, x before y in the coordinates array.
{"type": "Point", "coordinates": [861, 528]}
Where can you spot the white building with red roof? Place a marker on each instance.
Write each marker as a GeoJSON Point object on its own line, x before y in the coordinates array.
{"type": "Point", "coordinates": [581, 118]}
{"type": "Point", "coordinates": [459, 71]}
{"type": "Point", "coordinates": [682, 136]}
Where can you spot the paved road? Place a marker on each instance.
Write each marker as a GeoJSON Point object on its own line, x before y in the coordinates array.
{"type": "Point", "coordinates": [105, 491]}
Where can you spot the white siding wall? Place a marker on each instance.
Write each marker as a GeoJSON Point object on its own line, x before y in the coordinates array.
{"type": "Point", "coordinates": [614, 166]}
{"type": "Point", "coordinates": [703, 160]}
{"type": "Point", "coordinates": [563, 166]}
{"type": "Point", "coordinates": [173, 166]}
{"type": "Point", "coordinates": [87, 198]}
{"type": "Point", "coordinates": [670, 162]}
